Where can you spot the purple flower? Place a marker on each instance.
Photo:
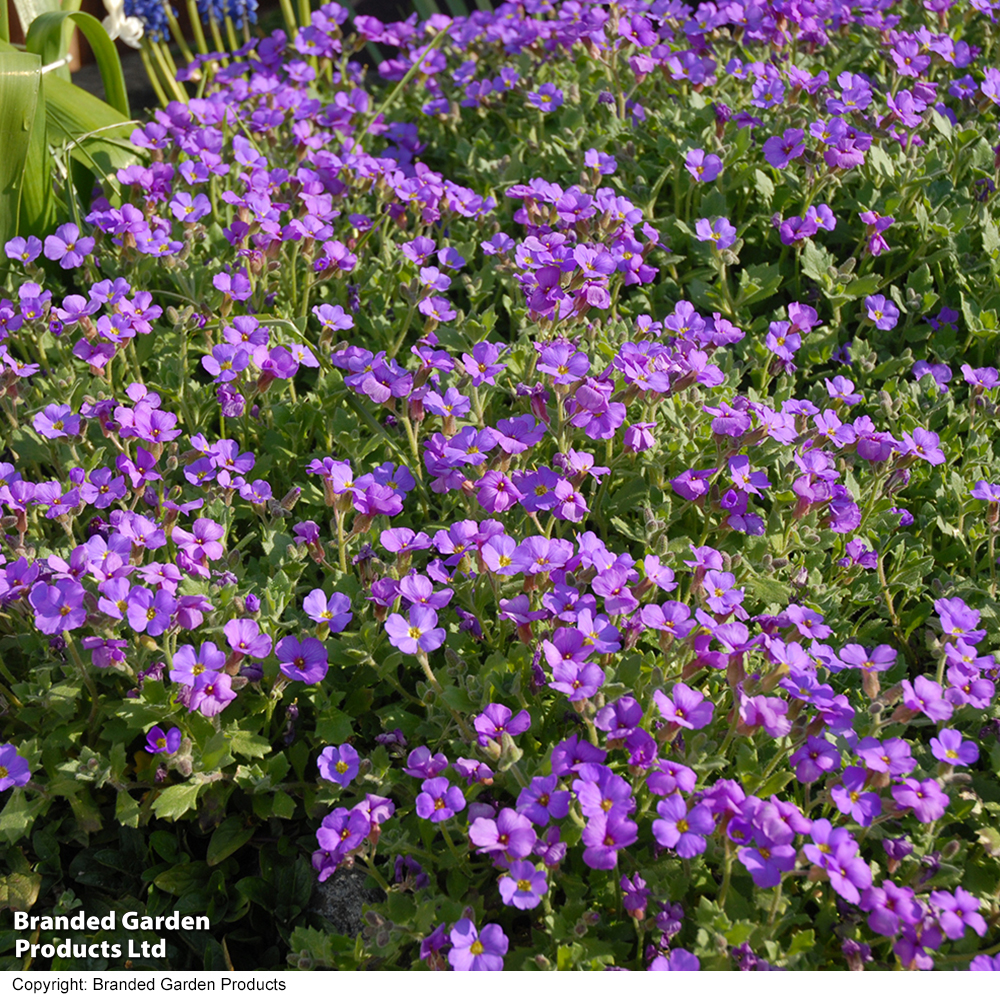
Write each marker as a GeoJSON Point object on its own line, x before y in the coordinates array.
{"type": "Point", "coordinates": [474, 951]}
{"type": "Point", "coordinates": [14, 770]}
{"type": "Point", "coordinates": [958, 620]}
{"type": "Point", "coordinates": [548, 97]}
{"type": "Point", "coordinates": [949, 747]}
{"type": "Point", "coordinates": [718, 231]}
{"type": "Point", "coordinates": [924, 695]}
{"type": "Point", "coordinates": [59, 607]}
{"type": "Point", "coordinates": [496, 720]}
{"type": "Point", "coordinates": [881, 312]}
{"type": "Point", "coordinates": [159, 742]}
{"type": "Point", "coordinates": [541, 800]}
{"type": "Point", "coordinates": [985, 963]}
{"type": "Point", "coordinates": [685, 707]}
{"type": "Point", "coordinates": [211, 694]}
{"type": "Point", "coordinates": [682, 830]}
{"type": "Point", "coordinates": [244, 634]}
{"type": "Point", "coordinates": [67, 246]}
{"type": "Point", "coordinates": [56, 421]}
{"type": "Point", "coordinates": [339, 764]}
{"type": "Point", "coordinates": [24, 250]}
{"type": "Point", "coordinates": [304, 661]}
{"type": "Point", "coordinates": [510, 834]}
{"type": "Point", "coordinates": [335, 613]}
{"type": "Point", "coordinates": [679, 960]}
{"type": "Point", "coordinates": [417, 635]}
{"type": "Point", "coordinates": [523, 886]}
{"type": "Point", "coordinates": [814, 758]}
{"type": "Point", "coordinates": [439, 801]}
{"type": "Point", "coordinates": [956, 912]}
{"type": "Point", "coordinates": [851, 798]}
{"type": "Point", "coordinates": [766, 863]}
{"type": "Point", "coordinates": [604, 835]}
{"type": "Point", "coordinates": [925, 798]}
{"type": "Point", "coordinates": [702, 166]}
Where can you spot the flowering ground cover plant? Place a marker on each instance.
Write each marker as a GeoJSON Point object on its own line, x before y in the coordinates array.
{"type": "Point", "coordinates": [550, 471]}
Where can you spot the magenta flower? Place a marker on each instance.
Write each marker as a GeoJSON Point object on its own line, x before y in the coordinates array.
{"type": "Point", "coordinates": [159, 742]}
{"type": "Point", "coordinates": [14, 770]}
{"type": "Point", "coordinates": [305, 661]}
{"type": "Point", "coordinates": [419, 634]}
{"type": "Point", "coordinates": [439, 801]}
{"type": "Point", "coordinates": [474, 951]}
{"type": "Point", "coordinates": [339, 764]}
{"type": "Point", "coordinates": [949, 747]}
{"type": "Point", "coordinates": [523, 886]}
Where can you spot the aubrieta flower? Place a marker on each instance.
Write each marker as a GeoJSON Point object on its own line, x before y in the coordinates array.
{"type": "Point", "coordinates": [439, 800]}
{"type": "Point", "coordinates": [547, 98]}
{"type": "Point", "coordinates": [702, 166]}
{"type": "Point", "coordinates": [949, 748]}
{"type": "Point", "coordinates": [719, 232]}
{"type": "Point", "coordinates": [304, 660]}
{"type": "Point", "coordinates": [14, 769]}
{"type": "Point", "coordinates": [339, 764]}
{"type": "Point", "coordinates": [477, 951]}
{"type": "Point", "coordinates": [495, 720]}
{"type": "Point", "coordinates": [67, 246]}
{"type": "Point", "coordinates": [158, 741]}
{"type": "Point", "coordinates": [523, 886]}
{"type": "Point", "coordinates": [418, 633]}
{"type": "Point", "coordinates": [882, 312]}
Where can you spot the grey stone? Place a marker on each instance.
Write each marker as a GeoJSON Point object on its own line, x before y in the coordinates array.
{"type": "Point", "coordinates": [342, 897]}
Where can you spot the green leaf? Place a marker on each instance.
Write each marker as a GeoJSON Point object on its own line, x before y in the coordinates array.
{"type": "Point", "coordinates": [126, 809]}
{"type": "Point", "coordinates": [802, 941]}
{"type": "Point", "coordinates": [184, 877]}
{"type": "Point", "coordinates": [249, 744]}
{"type": "Point", "coordinates": [859, 287]}
{"type": "Point", "coordinates": [175, 801]}
{"type": "Point", "coordinates": [45, 39]}
{"type": "Point", "coordinates": [228, 838]}
{"type": "Point", "coordinates": [20, 84]}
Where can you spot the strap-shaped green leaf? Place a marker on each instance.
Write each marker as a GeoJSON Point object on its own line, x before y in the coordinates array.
{"type": "Point", "coordinates": [45, 37]}
{"type": "Point", "coordinates": [20, 78]}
